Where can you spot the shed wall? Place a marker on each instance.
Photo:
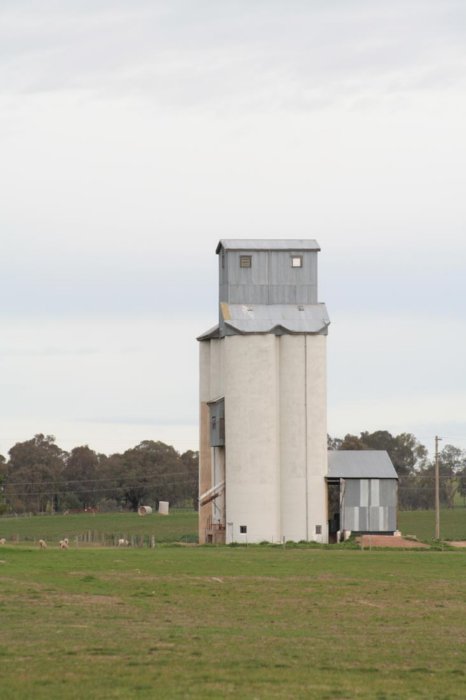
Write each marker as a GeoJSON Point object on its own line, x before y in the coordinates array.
{"type": "Point", "coordinates": [369, 505]}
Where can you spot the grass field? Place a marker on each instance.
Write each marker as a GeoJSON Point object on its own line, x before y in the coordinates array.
{"type": "Point", "coordinates": [181, 525]}
{"type": "Point", "coordinates": [215, 622]}
{"type": "Point", "coordinates": [421, 523]}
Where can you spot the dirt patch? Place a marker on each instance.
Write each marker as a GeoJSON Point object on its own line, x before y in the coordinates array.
{"type": "Point", "coordinates": [367, 541]}
{"type": "Point", "coordinates": [458, 543]}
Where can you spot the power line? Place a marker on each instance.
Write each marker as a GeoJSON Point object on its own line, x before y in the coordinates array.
{"type": "Point", "coordinates": [107, 489]}
{"type": "Point", "coordinates": [80, 481]}
{"type": "Point", "coordinates": [114, 481]}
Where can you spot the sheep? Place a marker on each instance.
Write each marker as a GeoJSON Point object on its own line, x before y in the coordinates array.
{"type": "Point", "coordinates": [2, 540]}
{"type": "Point", "coordinates": [42, 544]}
{"type": "Point", "coordinates": [122, 542]}
{"type": "Point", "coordinates": [64, 544]}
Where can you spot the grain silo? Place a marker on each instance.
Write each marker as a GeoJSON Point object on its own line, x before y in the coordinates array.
{"type": "Point", "coordinates": [263, 431]}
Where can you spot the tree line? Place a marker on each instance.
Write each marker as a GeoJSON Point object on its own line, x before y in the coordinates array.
{"type": "Point", "coordinates": [416, 471]}
{"type": "Point", "coordinates": [40, 477]}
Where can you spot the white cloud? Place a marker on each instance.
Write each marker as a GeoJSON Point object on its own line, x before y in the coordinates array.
{"type": "Point", "coordinates": [105, 437]}
{"type": "Point", "coordinates": [398, 373]}
{"type": "Point", "coordinates": [135, 135]}
{"type": "Point", "coordinates": [101, 379]}
{"type": "Point", "coordinates": [194, 53]}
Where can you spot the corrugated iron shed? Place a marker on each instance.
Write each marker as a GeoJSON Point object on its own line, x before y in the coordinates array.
{"type": "Point", "coordinates": [293, 244]}
{"type": "Point", "coordinates": [360, 464]}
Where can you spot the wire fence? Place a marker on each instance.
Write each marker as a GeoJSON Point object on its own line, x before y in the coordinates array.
{"type": "Point", "coordinates": [417, 492]}
{"type": "Point", "coordinates": [97, 538]}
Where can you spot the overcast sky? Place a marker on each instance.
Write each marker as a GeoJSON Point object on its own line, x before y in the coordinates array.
{"type": "Point", "coordinates": [135, 134]}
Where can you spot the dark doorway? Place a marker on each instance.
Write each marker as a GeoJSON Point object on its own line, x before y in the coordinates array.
{"type": "Point", "coordinates": [333, 508]}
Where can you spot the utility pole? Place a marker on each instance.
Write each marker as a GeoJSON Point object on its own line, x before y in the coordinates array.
{"type": "Point", "coordinates": [437, 490]}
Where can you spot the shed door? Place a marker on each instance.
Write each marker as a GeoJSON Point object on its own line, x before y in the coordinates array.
{"type": "Point", "coordinates": [369, 505]}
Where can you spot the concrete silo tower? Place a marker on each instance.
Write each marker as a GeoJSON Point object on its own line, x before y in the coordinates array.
{"type": "Point", "coordinates": [263, 431]}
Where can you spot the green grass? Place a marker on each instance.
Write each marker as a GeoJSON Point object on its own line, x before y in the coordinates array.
{"type": "Point", "coordinates": [421, 523]}
{"type": "Point", "coordinates": [178, 526]}
{"type": "Point", "coordinates": [181, 525]}
{"type": "Point", "coordinates": [216, 622]}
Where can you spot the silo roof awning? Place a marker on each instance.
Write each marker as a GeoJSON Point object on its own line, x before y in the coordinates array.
{"type": "Point", "coordinates": [265, 318]}
{"type": "Point", "coordinates": [213, 332]}
{"type": "Point", "coordinates": [360, 464]}
{"type": "Point", "coordinates": [292, 244]}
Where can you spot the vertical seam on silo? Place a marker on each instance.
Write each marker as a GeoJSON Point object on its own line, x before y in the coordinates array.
{"type": "Point", "coordinates": [305, 439]}
{"type": "Point", "coordinates": [213, 471]}
{"type": "Point", "coordinates": [278, 435]}
{"type": "Point", "coordinates": [267, 272]}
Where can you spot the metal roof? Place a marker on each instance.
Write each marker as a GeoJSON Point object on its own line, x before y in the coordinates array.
{"type": "Point", "coordinates": [213, 332]}
{"type": "Point", "coordinates": [267, 318]}
{"type": "Point", "coordinates": [360, 464]}
{"type": "Point", "coordinates": [267, 244]}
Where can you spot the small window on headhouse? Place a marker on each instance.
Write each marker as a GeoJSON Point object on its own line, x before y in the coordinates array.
{"type": "Point", "coordinates": [296, 261]}
{"type": "Point", "coordinates": [243, 529]}
{"type": "Point", "coordinates": [245, 261]}
{"type": "Point", "coordinates": [318, 529]}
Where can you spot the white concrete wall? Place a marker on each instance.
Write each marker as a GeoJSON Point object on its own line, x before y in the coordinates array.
{"type": "Point", "coordinates": [217, 373]}
{"type": "Point", "coordinates": [204, 371]}
{"type": "Point", "coordinates": [303, 437]}
{"type": "Point", "coordinates": [316, 351]}
{"type": "Point", "coordinates": [275, 433]}
{"type": "Point", "coordinates": [252, 437]}
{"type": "Point", "coordinates": [211, 373]}
{"type": "Point", "coordinates": [292, 438]}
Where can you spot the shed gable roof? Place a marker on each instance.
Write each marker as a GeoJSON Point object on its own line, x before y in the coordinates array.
{"type": "Point", "coordinates": [360, 464]}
